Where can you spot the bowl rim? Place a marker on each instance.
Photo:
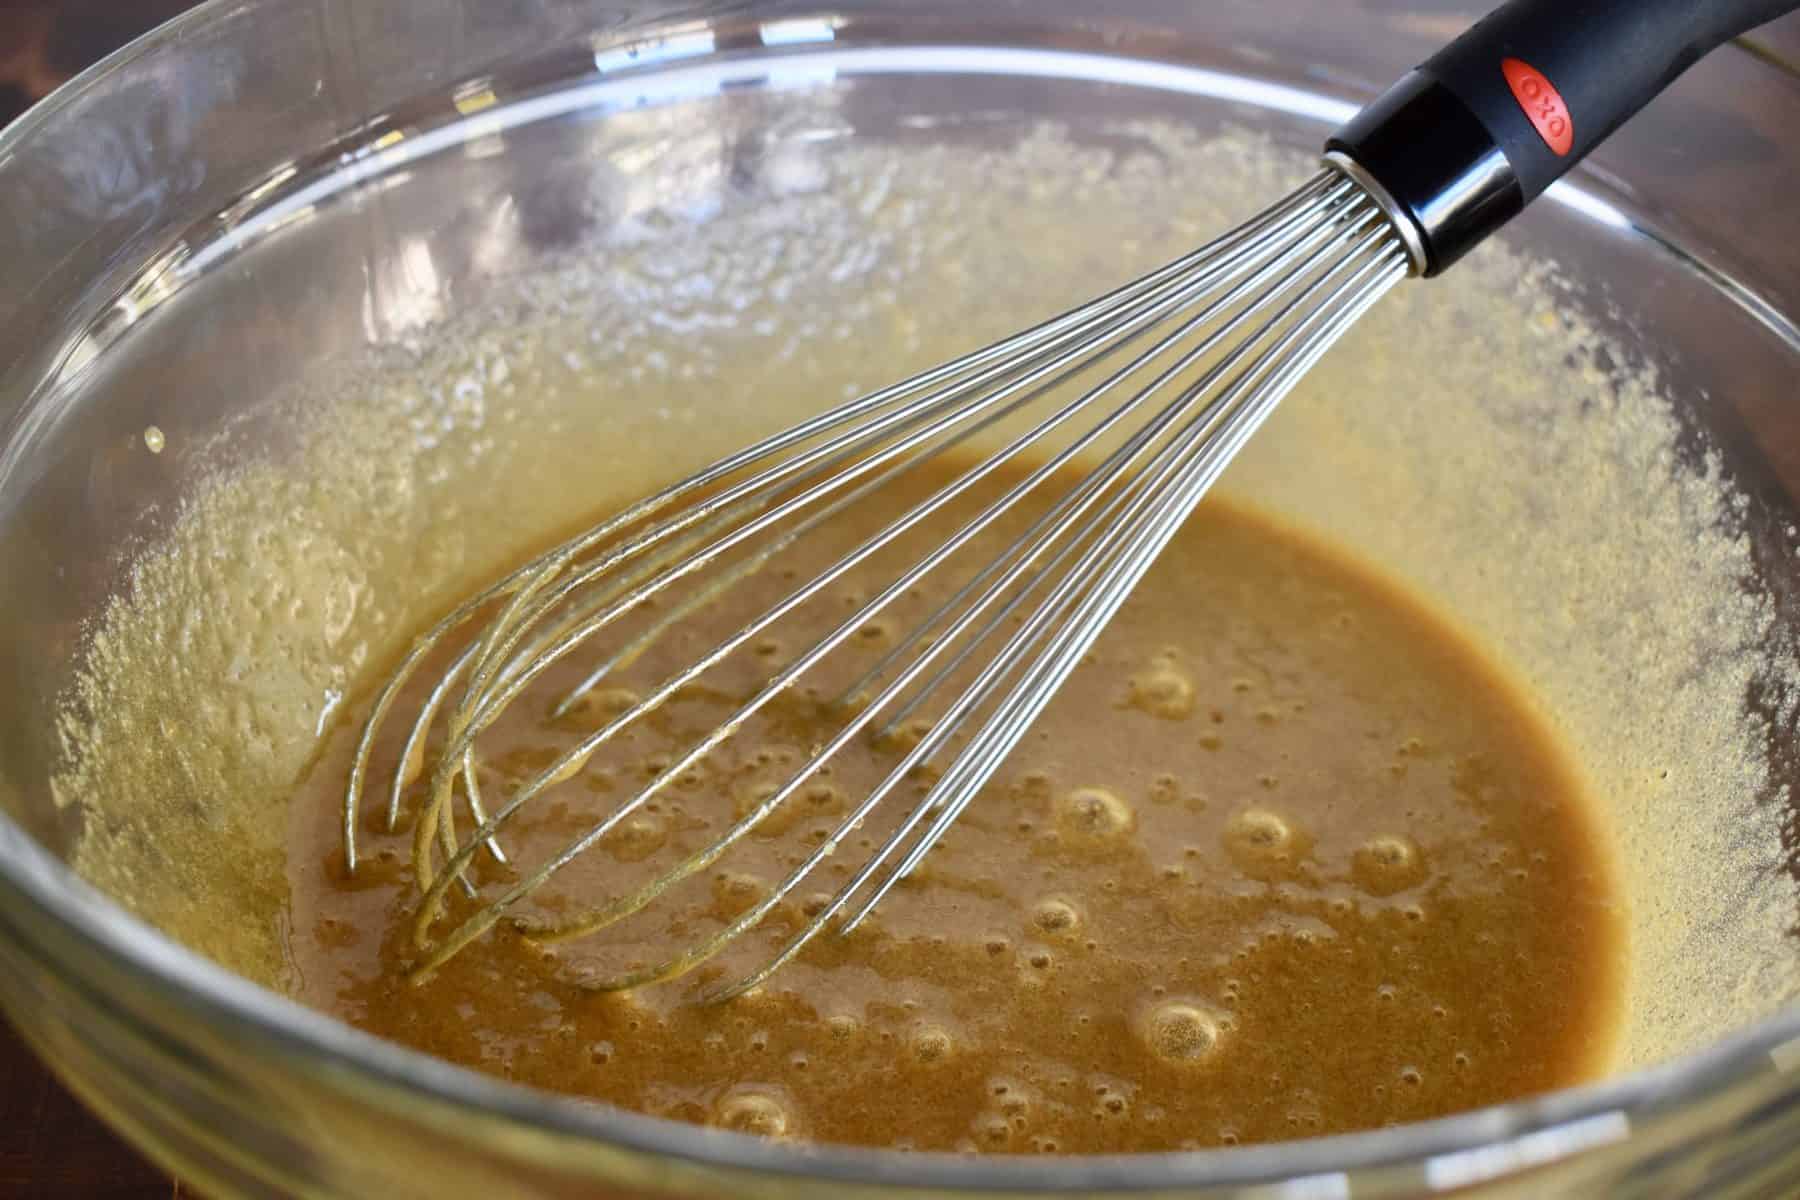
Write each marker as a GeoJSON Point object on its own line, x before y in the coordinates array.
{"type": "Point", "coordinates": [43, 902]}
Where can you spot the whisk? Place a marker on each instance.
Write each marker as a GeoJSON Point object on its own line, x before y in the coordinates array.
{"type": "Point", "coordinates": [1170, 375]}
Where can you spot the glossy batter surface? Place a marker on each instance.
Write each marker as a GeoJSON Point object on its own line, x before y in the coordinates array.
{"type": "Point", "coordinates": [1285, 857]}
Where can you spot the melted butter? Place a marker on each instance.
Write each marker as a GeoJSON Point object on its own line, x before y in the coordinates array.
{"type": "Point", "coordinates": [1285, 857]}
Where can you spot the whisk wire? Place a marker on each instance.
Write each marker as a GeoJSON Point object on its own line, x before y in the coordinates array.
{"type": "Point", "coordinates": [466, 724]}
{"type": "Point", "coordinates": [1249, 312]}
{"type": "Point", "coordinates": [1155, 427]}
{"type": "Point", "coordinates": [571, 759]}
{"type": "Point", "coordinates": [1324, 188]}
{"type": "Point", "coordinates": [982, 768]}
{"type": "Point", "coordinates": [1027, 372]}
{"type": "Point", "coordinates": [952, 793]}
{"type": "Point", "coordinates": [1159, 510]}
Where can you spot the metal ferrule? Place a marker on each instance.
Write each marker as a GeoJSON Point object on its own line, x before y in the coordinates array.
{"type": "Point", "coordinates": [1405, 226]}
{"type": "Point", "coordinates": [1432, 167]}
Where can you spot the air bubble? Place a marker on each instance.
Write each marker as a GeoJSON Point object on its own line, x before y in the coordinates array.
{"type": "Point", "coordinates": [735, 892]}
{"type": "Point", "coordinates": [1388, 863]}
{"type": "Point", "coordinates": [1391, 850]}
{"type": "Point", "coordinates": [605, 703]}
{"type": "Point", "coordinates": [1163, 691]}
{"type": "Point", "coordinates": [776, 822]}
{"type": "Point", "coordinates": [637, 839]}
{"type": "Point", "coordinates": [905, 737]}
{"type": "Point", "coordinates": [1055, 916]}
{"type": "Point", "coordinates": [1259, 835]}
{"type": "Point", "coordinates": [822, 797]}
{"type": "Point", "coordinates": [1033, 965]}
{"type": "Point", "coordinates": [1179, 1032]}
{"type": "Point", "coordinates": [931, 1043]}
{"type": "Point", "coordinates": [1094, 813]}
{"type": "Point", "coordinates": [754, 1113]}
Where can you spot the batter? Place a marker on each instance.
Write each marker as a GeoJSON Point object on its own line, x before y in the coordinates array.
{"type": "Point", "coordinates": [1286, 857]}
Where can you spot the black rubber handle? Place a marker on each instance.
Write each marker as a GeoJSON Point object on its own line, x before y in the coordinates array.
{"type": "Point", "coordinates": [1486, 124]}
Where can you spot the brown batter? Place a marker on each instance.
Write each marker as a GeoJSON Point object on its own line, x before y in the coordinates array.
{"type": "Point", "coordinates": [1286, 857]}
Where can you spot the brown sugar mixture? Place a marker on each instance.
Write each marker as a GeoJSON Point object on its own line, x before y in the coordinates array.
{"type": "Point", "coordinates": [1285, 857]}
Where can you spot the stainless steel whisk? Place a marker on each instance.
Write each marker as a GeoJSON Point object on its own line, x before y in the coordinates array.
{"type": "Point", "coordinates": [1190, 359]}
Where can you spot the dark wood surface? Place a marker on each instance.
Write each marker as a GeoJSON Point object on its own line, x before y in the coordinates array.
{"type": "Point", "coordinates": [50, 1146]}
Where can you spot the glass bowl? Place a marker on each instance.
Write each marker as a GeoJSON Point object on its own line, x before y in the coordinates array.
{"type": "Point", "coordinates": [261, 190]}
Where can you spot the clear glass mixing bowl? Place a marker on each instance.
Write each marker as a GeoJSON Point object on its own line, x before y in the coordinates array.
{"type": "Point", "coordinates": [228, 204]}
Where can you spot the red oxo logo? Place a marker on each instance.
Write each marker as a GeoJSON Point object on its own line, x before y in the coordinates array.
{"type": "Point", "coordinates": [1545, 108]}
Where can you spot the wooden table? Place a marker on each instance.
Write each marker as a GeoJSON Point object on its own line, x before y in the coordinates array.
{"type": "Point", "coordinates": [49, 1145]}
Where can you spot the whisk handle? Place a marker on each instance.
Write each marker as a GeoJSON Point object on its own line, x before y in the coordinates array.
{"type": "Point", "coordinates": [1478, 130]}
